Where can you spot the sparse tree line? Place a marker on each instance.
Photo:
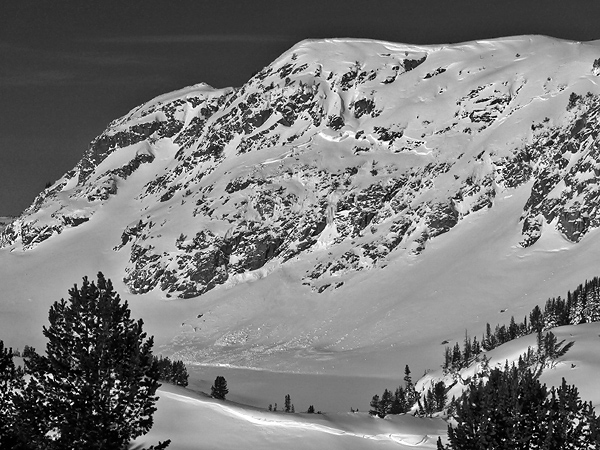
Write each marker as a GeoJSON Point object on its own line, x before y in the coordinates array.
{"type": "Point", "coordinates": [510, 408]}
{"type": "Point", "coordinates": [401, 401]}
{"type": "Point", "coordinates": [581, 306]}
{"type": "Point", "coordinates": [288, 406]}
{"type": "Point", "coordinates": [173, 372]}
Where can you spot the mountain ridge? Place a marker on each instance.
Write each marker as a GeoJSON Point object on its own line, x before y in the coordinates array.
{"type": "Point", "coordinates": [311, 215]}
{"type": "Point", "coordinates": [335, 135]}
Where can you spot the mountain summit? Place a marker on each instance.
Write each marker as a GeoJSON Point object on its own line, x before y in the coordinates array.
{"type": "Point", "coordinates": [364, 149]}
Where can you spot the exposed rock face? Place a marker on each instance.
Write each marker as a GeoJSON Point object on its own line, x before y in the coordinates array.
{"type": "Point", "coordinates": [4, 221]}
{"type": "Point", "coordinates": [364, 148]}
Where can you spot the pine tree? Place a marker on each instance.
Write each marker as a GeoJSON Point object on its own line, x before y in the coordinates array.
{"type": "Point", "coordinates": [287, 404]}
{"type": "Point", "coordinates": [514, 410]}
{"type": "Point", "coordinates": [549, 349]}
{"type": "Point", "coordinates": [374, 411]}
{"type": "Point", "coordinates": [11, 380]}
{"type": "Point", "coordinates": [172, 371]}
{"type": "Point", "coordinates": [219, 389]}
{"type": "Point", "coordinates": [466, 356]}
{"type": "Point", "coordinates": [399, 405]}
{"type": "Point", "coordinates": [475, 347]}
{"type": "Point", "coordinates": [311, 409]}
{"type": "Point", "coordinates": [487, 339]}
{"type": "Point", "coordinates": [456, 357]}
{"type": "Point", "coordinates": [180, 374]}
{"type": "Point", "coordinates": [513, 329]}
{"type": "Point", "coordinates": [407, 377]}
{"type": "Point", "coordinates": [411, 393]}
{"type": "Point", "coordinates": [536, 319]}
{"type": "Point", "coordinates": [447, 360]}
{"type": "Point", "coordinates": [440, 395]}
{"type": "Point", "coordinates": [385, 404]}
{"type": "Point", "coordinates": [95, 387]}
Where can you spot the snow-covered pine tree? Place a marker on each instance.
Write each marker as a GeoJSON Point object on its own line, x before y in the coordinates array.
{"type": "Point", "coordinates": [95, 386]}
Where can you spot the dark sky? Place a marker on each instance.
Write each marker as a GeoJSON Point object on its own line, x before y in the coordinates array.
{"type": "Point", "coordinates": [67, 68]}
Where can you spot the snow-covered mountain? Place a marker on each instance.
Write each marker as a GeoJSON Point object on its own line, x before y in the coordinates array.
{"type": "Point", "coordinates": [346, 195]}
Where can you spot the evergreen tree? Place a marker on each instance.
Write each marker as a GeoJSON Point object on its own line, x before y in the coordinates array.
{"type": "Point", "coordinates": [514, 411]}
{"type": "Point", "coordinates": [374, 411]}
{"type": "Point", "coordinates": [95, 387]}
{"type": "Point", "coordinates": [180, 374]}
{"type": "Point", "coordinates": [440, 395]}
{"type": "Point", "coordinates": [549, 349]}
{"type": "Point", "coordinates": [385, 404]}
{"type": "Point", "coordinates": [513, 329]}
{"type": "Point", "coordinates": [219, 389]}
{"type": "Point", "coordinates": [429, 402]}
{"type": "Point", "coordinates": [475, 347]}
{"type": "Point", "coordinates": [433, 400]}
{"type": "Point", "coordinates": [288, 403]}
{"type": "Point", "coordinates": [487, 338]}
{"type": "Point", "coordinates": [536, 319]}
{"type": "Point", "coordinates": [447, 360]}
{"type": "Point", "coordinates": [11, 380]}
{"type": "Point", "coordinates": [28, 351]}
{"type": "Point", "coordinates": [466, 356]}
{"type": "Point", "coordinates": [411, 393]}
{"type": "Point", "coordinates": [172, 371]}
{"type": "Point", "coordinates": [399, 405]}
{"type": "Point", "coordinates": [407, 377]}
{"type": "Point", "coordinates": [311, 409]}
{"type": "Point", "coordinates": [456, 357]}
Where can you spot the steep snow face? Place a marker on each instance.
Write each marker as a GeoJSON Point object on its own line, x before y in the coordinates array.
{"type": "Point", "coordinates": [348, 188]}
{"type": "Point", "coordinates": [359, 147]}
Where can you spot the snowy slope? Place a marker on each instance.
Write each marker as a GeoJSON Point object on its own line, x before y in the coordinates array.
{"type": "Point", "coordinates": [193, 421]}
{"type": "Point", "coordinates": [352, 206]}
{"type": "Point", "coordinates": [577, 366]}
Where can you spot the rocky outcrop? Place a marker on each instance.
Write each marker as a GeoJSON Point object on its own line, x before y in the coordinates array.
{"type": "Point", "coordinates": [356, 149]}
